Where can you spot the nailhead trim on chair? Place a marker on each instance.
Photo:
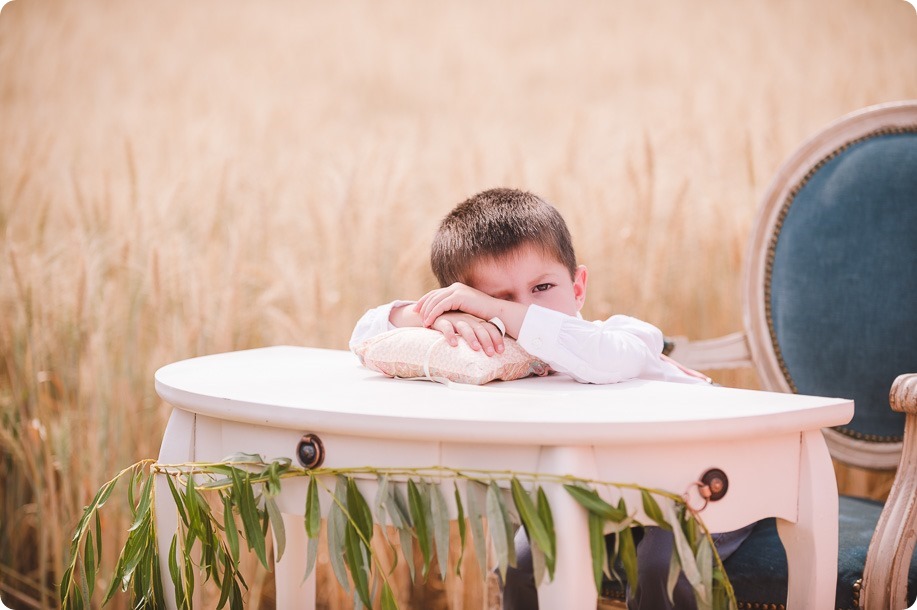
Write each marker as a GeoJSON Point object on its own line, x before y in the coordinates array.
{"type": "Point", "coordinates": [757, 606]}
{"type": "Point", "coordinates": [857, 587]}
{"type": "Point", "coordinates": [769, 267]}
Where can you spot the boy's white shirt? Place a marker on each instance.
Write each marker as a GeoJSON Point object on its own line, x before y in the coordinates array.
{"type": "Point", "coordinates": [604, 351]}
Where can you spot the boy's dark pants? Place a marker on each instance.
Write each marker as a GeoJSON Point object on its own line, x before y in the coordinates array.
{"type": "Point", "coordinates": [653, 554]}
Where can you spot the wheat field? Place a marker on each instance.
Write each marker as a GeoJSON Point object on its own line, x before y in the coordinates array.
{"type": "Point", "coordinates": [178, 179]}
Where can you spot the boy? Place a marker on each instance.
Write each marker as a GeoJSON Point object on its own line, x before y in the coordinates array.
{"type": "Point", "coordinates": [505, 264]}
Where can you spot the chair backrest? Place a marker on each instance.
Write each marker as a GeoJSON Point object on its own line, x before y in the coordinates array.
{"type": "Point", "coordinates": [831, 282]}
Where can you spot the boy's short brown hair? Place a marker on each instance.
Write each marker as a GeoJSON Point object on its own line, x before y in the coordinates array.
{"type": "Point", "coordinates": [495, 223]}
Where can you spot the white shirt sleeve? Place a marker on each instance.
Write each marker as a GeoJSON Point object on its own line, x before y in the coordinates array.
{"type": "Point", "coordinates": [374, 322]}
{"type": "Point", "coordinates": [617, 349]}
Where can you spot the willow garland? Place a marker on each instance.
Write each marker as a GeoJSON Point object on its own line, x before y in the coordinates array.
{"type": "Point", "coordinates": [207, 544]}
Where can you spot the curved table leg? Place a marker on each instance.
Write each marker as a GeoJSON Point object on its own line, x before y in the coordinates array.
{"type": "Point", "coordinates": [573, 586]}
{"type": "Point", "coordinates": [811, 542]}
{"type": "Point", "coordinates": [177, 446]}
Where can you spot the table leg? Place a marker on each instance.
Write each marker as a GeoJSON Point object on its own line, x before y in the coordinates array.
{"type": "Point", "coordinates": [811, 542]}
{"type": "Point", "coordinates": [177, 446]}
{"type": "Point", "coordinates": [292, 590]}
{"type": "Point", "coordinates": [573, 587]}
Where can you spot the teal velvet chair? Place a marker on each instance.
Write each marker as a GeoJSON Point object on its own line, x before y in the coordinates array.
{"type": "Point", "coordinates": [831, 310]}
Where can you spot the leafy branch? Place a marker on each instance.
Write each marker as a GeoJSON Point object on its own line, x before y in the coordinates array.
{"type": "Point", "coordinates": [220, 504]}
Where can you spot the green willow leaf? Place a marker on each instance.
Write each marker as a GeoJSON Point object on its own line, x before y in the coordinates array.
{"type": "Point", "coordinates": [175, 573]}
{"type": "Point", "coordinates": [272, 485]}
{"type": "Point", "coordinates": [146, 498]}
{"type": "Point", "coordinates": [98, 554]}
{"type": "Point", "coordinates": [597, 547]}
{"type": "Point", "coordinates": [356, 563]}
{"type": "Point", "coordinates": [461, 528]}
{"type": "Point", "coordinates": [538, 563]}
{"type": "Point", "coordinates": [229, 526]}
{"type": "Point", "coordinates": [251, 459]}
{"type": "Point", "coordinates": [396, 516]}
{"type": "Point", "coordinates": [421, 529]}
{"type": "Point", "coordinates": [406, 539]}
{"type": "Point", "coordinates": [440, 529]}
{"type": "Point", "coordinates": [627, 551]}
{"type": "Point", "coordinates": [337, 523]}
{"type": "Point", "coordinates": [228, 580]}
{"type": "Point", "coordinates": [652, 510]}
{"type": "Point", "coordinates": [399, 514]}
{"type": "Point", "coordinates": [89, 563]}
{"type": "Point", "coordinates": [683, 547]}
{"type": "Point", "coordinates": [501, 529]}
{"type": "Point", "coordinates": [235, 599]}
{"type": "Point", "coordinates": [313, 512]}
{"type": "Point", "coordinates": [475, 494]}
{"type": "Point", "coordinates": [311, 556]}
{"type": "Point", "coordinates": [179, 504]}
{"type": "Point", "coordinates": [360, 513]}
{"type": "Point", "coordinates": [280, 533]}
{"type": "Point", "coordinates": [674, 573]}
{"type": "Point", "coordinates": [379, 500]}
{"type": "Point", "coordinates": [531, 520]}
{"type": "Point", "coordinates": [251, 517]}
{"type": "Point", "coordinates": [65, 599]}
{"type": "Point", "coordinates": [188, 574]}
{"type": "Point", "coordinates": [388, 598]}
{"type": "Point", "coordinates": [591, 501]}
{"type": "Point", "coordinates": [704, 560]}
{"type": "Point", "coordinates": [547, 518]}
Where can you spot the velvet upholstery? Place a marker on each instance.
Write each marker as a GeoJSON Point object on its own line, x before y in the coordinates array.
{"type": "Point", "coordinates": [758, 569]}
{"type": "Point", "coordinates": [843, 286]}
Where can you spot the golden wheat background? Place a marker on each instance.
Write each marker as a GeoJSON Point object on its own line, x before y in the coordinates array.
{"type": "Point", "coordinates": [179, 179]}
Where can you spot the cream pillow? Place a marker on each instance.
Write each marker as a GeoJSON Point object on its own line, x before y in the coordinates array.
{"type": "Point", "coordinates": [423, 353]}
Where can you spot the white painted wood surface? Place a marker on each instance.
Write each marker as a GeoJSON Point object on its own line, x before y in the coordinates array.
{"type": "Point", "coordinates": [656, 434]}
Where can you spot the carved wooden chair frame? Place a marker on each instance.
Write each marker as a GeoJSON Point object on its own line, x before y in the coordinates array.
{"type": "Point", "coordinates": [891, 549]}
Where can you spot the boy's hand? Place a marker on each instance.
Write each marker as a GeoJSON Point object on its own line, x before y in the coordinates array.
{"type": "Point", "coordinates": [478, 333]}
{"type": "Point", "coordinates": [462, 298]}
{"type": "Point", "coordinates": [457, 297]}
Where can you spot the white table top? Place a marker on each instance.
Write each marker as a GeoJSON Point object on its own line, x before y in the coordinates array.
{"type": "Point", "coordinates": [312, 389]}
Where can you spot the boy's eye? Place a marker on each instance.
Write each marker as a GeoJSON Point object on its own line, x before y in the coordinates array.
{"type": "Point", "coordinates": [541, 287]}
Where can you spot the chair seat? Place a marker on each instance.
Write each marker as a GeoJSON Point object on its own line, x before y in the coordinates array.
{"type": "Point", "coordinates": [758, 569]}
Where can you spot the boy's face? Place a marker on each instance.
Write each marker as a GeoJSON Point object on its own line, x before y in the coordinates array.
{"type": "Point", "coordinates": [530, 276]}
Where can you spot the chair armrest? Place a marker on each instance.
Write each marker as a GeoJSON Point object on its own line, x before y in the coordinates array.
{"type": "Point", "coordinates": [891, 548]}
{"type": "Point", "coordinates": [727, 352]}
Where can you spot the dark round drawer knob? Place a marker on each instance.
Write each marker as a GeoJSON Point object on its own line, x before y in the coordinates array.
{"type": "Point", "coordinates": [310, 452]}
{"type": "Point", "coordinates": [717, 482]}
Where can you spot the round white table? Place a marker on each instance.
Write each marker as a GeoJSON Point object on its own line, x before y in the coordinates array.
{"type": "Point", "coordinates": [661, 435]}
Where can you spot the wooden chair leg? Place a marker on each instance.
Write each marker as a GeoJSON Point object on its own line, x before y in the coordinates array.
{"type": "Point", "coordinates": [889, 555]}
